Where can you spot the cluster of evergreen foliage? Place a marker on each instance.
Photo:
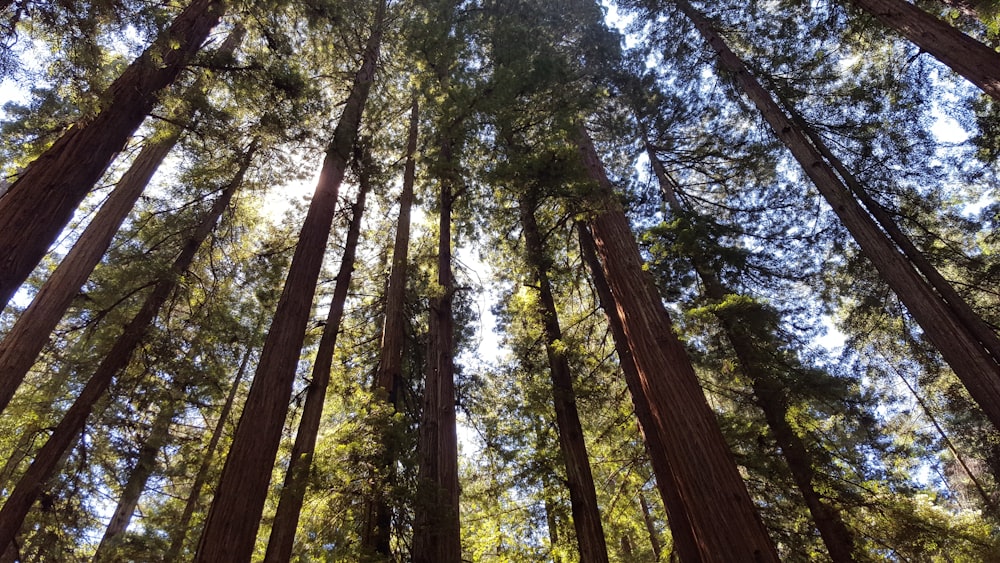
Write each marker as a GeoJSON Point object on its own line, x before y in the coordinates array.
{"type": "Point", "coordinates": [665, 213]}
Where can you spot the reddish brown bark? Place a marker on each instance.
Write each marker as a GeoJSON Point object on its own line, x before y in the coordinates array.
{"type": "Point", "coordinates": [579, 479]}
{"type": "Point", "coordinates": [969, 58]}
{"type": "Point", "coordinates": [286, 518]}
{"type": "Point", "coordinates": [42, 200]}
{"type": "Point", "coordinates": [28, 488]}
{"type": "Point", "coordinates": [723, 519]}
{"type": "Point", "coordinates": [231, 527]}
{"type": "Point", "coordinates": [389, 376]}
{"type": "Point", "coordinates": [971, 362]}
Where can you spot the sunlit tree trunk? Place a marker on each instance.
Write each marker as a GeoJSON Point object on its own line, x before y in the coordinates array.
{"type": "Point", "coordinates": [40, 203]}
{"type": "Point", "coordinates": [41, 469]}
{"type": "Point", "coordinates": [231, 527]}
{"type": "Point", "coordinates": [286, 518]}
{"type": "Point", "coordinates": [579, 479]}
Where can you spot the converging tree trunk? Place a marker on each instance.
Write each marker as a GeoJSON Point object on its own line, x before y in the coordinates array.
{"type": "Point", "coordinates": [40, 203]}
{"type": "Point", "coordinates": [21, 346]}
{"type": "Point", "coordinates": [724, 521]}
{"type": "Point", "coordinates": [231, 527]}
{"type": "Point", "coordinates": [286, 518]}
{"type": "Point", "coordinates": [579, 479]}
{"type": "Point", "coordinates": [970, 360]}
{"type": "Point", "coordinates": [28, 488]}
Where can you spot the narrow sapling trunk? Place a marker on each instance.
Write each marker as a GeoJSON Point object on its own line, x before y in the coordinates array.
{"type": "Point", "coordinates": [231, 527]}
{"type": "Point", "coordinates": [724, 521]}
{"type": "Point", "coordinates": [21, 346]}
{"type": "Point", "coordinates": [579, 479]}
{"type": "Point", "coordinates": [389, 376]}
{"type": "Point", "coordinates": [286, 518]}
{"type": "Point", "coordinates": [969, 58]}
{"type": "Point", "coordinates": [968, 358]}
{"type": "Point", "coordinates": [41, 469]}
{"type": "Point", "coordinates": [40, 203]}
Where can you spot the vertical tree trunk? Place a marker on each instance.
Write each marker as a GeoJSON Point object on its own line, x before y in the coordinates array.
{"type": "Point", "coordinates": [654, 535]}
{"type": "Point", "coordinates": [41, 201]}
{"type": "Point", "coordinates": [752, 351]}
{"type": "Point", "coordinates": [971, 362]}
{"type": "Point", "coordinates": [975, 61]}
{"type": "Point", "coordinates": [724, 521]}
{"type": "Point", "coordinates": [231, 527]}
{"type": "Point", "coordinates": [28, 488]}
{"type": "Point", "coordinates": [681, 530]}
{"type": "Point", "coordinates": [144, 466]}
{"type": "Point", "coordinates": [286, 519]}
{"type": "Point", "coordinates": [21, 346]}
{"type": "Point", "coordinates": [389, 376]}
{"type": "Point", "coordinates": [579, 480]}
{"type": "Point", "coordinates": [436, 533]}
{"type": "Point", "coordinates": [553, 528]}
{"type": "Point", "coordinates": [177, 542]}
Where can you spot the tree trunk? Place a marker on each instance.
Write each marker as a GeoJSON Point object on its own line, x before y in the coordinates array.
{"type": "Point", "coordinates": [21, 346]}
{"type": "Point", "coordinates": [286, 519]}
{"type": "Point", "coordinates": [654, 535]}
{"type": "Point", "coordinates": [177, 543]}
{"type": "Point", "coordinates": [144, 466]}
{"type": "Point", "coordinates": [751, 352]}
{"type": "Point", "coordinates": [724, 521]}
{"type": "Point", "coordinates": [389, 375]}
{"type": "Point", "coordinates": [971, 362]}
{"type": "Point", "coordinates": [682, 532]}
{"type": "Point", "coordinates": [436, 531]}
{"type": "Point", "coordinates": [579, 480]}
{"type": "Point", "coordinates": [975, 61]}
{"type": "Point", "coordinates": [42, 200]}
{"type": "Point", "coordinates": [553, 528]}
{"type": "Point", "coordinates": [28, 488]}
{"type": "Point", "coordinates": [231, 527]}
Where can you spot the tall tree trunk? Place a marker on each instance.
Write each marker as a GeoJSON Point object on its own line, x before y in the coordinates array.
{"type": "Point", "coordinates": [654, 535]}
{"type": "Point", "coordinates": [436, 530]}
{"type": "Point", "coordinates": [40, 203]}
{"type": "Point", "coordinates": [552, 524]}
{"type": "Point", "coordinates": [752, 353]}
{"type": "Point", "coordinates": [231, 527]}
{"type": "Point", "coordinates": [286, 519]}
{"type": "Point", "coordinates": [724, 521]}
{"type": "Point", "coordinates": [681, 530]}
{"type": "Point", "coordinates": [579, 479]}
{"type": "Point", "coordinates": [177, 542]}
{"type": "Point", "coordinates": [144, 466]}
{"type": "Point", "coordinates": [971, 362]}
{"type": "Point", "coordinates": [389, 376]}
{"type": "Point", "coordinates": [28, 488]}
{"type": "Point", "coordinates": [21, 346]}
{"type": "Point", "coordinates": [975, 61]}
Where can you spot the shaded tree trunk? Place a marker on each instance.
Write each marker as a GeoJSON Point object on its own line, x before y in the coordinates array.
{"type": "Point", "coordinates": [579, 479]}
{"type": "Point", "coordinates": [389, 376]}
{"type": "Point", "coordinates": [231, 527]}
{"type": "Point", "coordinates": [724, 521]}
{"type": "Point", "coordinates": [21, 346]}
{"type": "Point", "coordinates": [436, 530]}
{"type": "Point", "coordinates": [654, 534]}
{"type": "Point", "coordinates": [969, 58]}
{"type": "Point", "coordinates": [286, 519]}
{"type": "Point", "coordinates": [41, 469]}
{"type": "Point", "coordinates": [971, 362]}
{"type": "Point", "coordinates": [40, 203]}
{"type": "Point", "coordinates": [552, 524]}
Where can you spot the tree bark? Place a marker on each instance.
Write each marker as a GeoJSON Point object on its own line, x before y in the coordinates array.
{"type": "Point", "coordinates": [971, 362]}
{"type": "Point", "coordinates": [286, 519]}
{"type": "Point", "coordinates": [40, 203]}
{"type": "Point", "coordinates": [21, 346]}
{"type": "Point", "coordinates": [231, 527]}
{"type": "Point", "coordinates": [969, 58]}
{"type": "Point", "coordinates": [436, 531]}
{"type": "Point", "coordinates": [579, 479]}
{"type": "Point", "coordinates": [724, 521]}
{"type": "Point", "coordinates": [654, 535]}
{"type": "Point", "coordinates": [28, 488]}
{"type": "Point", "coordinates": [389, 375]}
